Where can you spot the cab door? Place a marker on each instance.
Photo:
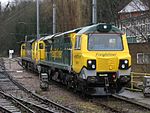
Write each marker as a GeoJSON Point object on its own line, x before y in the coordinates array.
{"type": "Point", "coordinates": [41, 50]}
{"type": "Point", "coordinates": [33, 51]}
{"type": "Point", "coordinates": [77, 54]}
{"type": "Point", "coordinates": [36, 52]}
{"type": "Point", "coordinates": [23, 50]}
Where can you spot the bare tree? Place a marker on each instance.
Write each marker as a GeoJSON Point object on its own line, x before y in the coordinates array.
{"type": "Point", "coordinates": [137, 23]}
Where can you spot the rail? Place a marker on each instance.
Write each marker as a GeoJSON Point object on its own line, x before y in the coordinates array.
{"type": "Point", "coordinates": [16, 103]}
{"type": "Point", "coordinates": [45, 101]}
{"type": "Point", "coordinates": [132, 101]}
{"type": "Point", "coordinates": [28, 98]}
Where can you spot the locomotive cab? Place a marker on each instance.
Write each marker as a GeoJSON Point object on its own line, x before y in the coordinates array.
{"type": "Point", "coordinates": [101, 59]}
{"type": "Point", "coordinates": [38, 50]}
{"type": "Point", "coordinates": [23, 50]}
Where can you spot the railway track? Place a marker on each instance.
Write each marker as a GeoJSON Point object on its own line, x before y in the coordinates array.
{"type": "Point", "coordinates": [119, 104]}
{"type": "Point", "coordinates": [114, 103]}
{"type": "Point", "coordinates": [123, 105]}
{"type": "Point", "coordinates": [107, 102]}
{"type": "Point", "coordinates": [107, 107]}
{"type": "Point", "coordinates": [34, 101]}
{"type": "Point", "coordinates": [27, 98]}
{"type": "Point", "coordinates": [8, 104]}
{"type": "Point", "coordinates": [132, 101]}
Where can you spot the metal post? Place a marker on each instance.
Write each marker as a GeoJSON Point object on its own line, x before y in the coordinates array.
{"type": "Point", "coordinates": [0, 8]}
{"type": "Point", "coordinates": [37, 5]}
{"type": "Point", "coordinates": [54, 17]}
{"type": "Point", "coordinates": [94, 11]}
{"type": "Point", "coordinates": [26, 39]}
{"type": "Point", "coordinates": [9, 64]}
{"type": "Point", "coordinates": [131, 81]}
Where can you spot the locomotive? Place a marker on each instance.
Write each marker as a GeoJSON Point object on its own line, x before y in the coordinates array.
{"type": "Point", "coordinates": [94, 59]}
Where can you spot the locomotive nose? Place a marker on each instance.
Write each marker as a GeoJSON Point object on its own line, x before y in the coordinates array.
{"type": "Point", "coordinates": [105, 64]}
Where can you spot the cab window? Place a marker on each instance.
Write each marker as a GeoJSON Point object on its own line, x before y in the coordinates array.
{"type": "Point", "coordinates": [41, 46]}
{"type": "Point", "coordinates": [78, 43]}
{"type": "Point", "coordinates": [23, 47]}
{"type": "Point", "coordinates": [105, 42]}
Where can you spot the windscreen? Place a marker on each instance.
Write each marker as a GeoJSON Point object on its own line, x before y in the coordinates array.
{"type": "Point", "coordinates": [112, 42]}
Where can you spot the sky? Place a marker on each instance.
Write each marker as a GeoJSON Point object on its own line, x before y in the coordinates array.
{"type": "Point", "coordinates": [4, 2]}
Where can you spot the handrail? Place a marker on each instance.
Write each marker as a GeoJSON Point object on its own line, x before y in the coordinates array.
{"type": "Point", "coordinates": [135, 75]}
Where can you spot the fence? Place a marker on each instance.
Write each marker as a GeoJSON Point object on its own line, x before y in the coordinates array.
{"type": "Point", "coordinates": [137, 81]}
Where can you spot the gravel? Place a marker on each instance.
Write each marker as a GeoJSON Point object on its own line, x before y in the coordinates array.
{"type": "Point", "coordinates": [56, 92]}
{"type": "Point", "coordinates": [61, 95]}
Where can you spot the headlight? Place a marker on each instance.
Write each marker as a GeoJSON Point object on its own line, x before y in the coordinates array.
{"type": "Point", "coordinates": [105, 27]}
{"type": "Point", "coordinates": [126, 61]}
{"type": "Point", "coordinates": [91, 64]}
{"type": "Point", "coordinates": [124, 64]}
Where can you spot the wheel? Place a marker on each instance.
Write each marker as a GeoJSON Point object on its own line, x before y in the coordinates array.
{"type": "Point", "coordinates": [75, 88]}
{"type": "Point", "coordinates": [83, 92]}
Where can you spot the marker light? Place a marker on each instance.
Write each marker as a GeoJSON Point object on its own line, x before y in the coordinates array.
{"type": "Point", "coordinates": [93, 66]}
{"type": "Point", "coordinates": [123, 66]}
{"type": "Point", "coordinates": [114, 76]}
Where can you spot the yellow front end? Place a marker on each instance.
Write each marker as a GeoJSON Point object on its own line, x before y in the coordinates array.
{"type": "Point", "coordinates": [23, 50]}
{"type": "Point", "coordinates": [101, 68]}
{"type": "Point", "coordinates": [106, 61]}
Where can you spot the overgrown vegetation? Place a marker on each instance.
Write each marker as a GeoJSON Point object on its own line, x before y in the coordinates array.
{"type": "Point", "coordinates": [18, 19]}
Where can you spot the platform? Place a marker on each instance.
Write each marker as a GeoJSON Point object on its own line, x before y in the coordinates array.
{"type": "Point", "coordinates": [136, 96]}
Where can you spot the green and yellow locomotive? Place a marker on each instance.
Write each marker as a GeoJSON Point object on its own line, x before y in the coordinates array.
{"type": "Point", "coordinates": [93, 59]}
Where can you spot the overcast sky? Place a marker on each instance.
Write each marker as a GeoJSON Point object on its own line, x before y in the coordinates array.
{"type": "Point", "coordinates": [5, 1]}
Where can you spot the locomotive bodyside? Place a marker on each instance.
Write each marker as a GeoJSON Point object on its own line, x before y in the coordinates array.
{"type": "Point", "coordinates": [94, 60]}
{"type": "Point", "coordinates": [26, 53]}
{"type": "Point", "coordinates": [31, 53]}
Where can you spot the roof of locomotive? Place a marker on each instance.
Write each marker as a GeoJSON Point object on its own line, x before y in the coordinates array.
{"type": "Point", "coordinates": [29, 41]}
{"type": "Point", "coordinates": [94, 28]}
{"type": "Point", "coordinates": [68, 32]}
{"type": "Point", "coordinates": [48, 37]}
